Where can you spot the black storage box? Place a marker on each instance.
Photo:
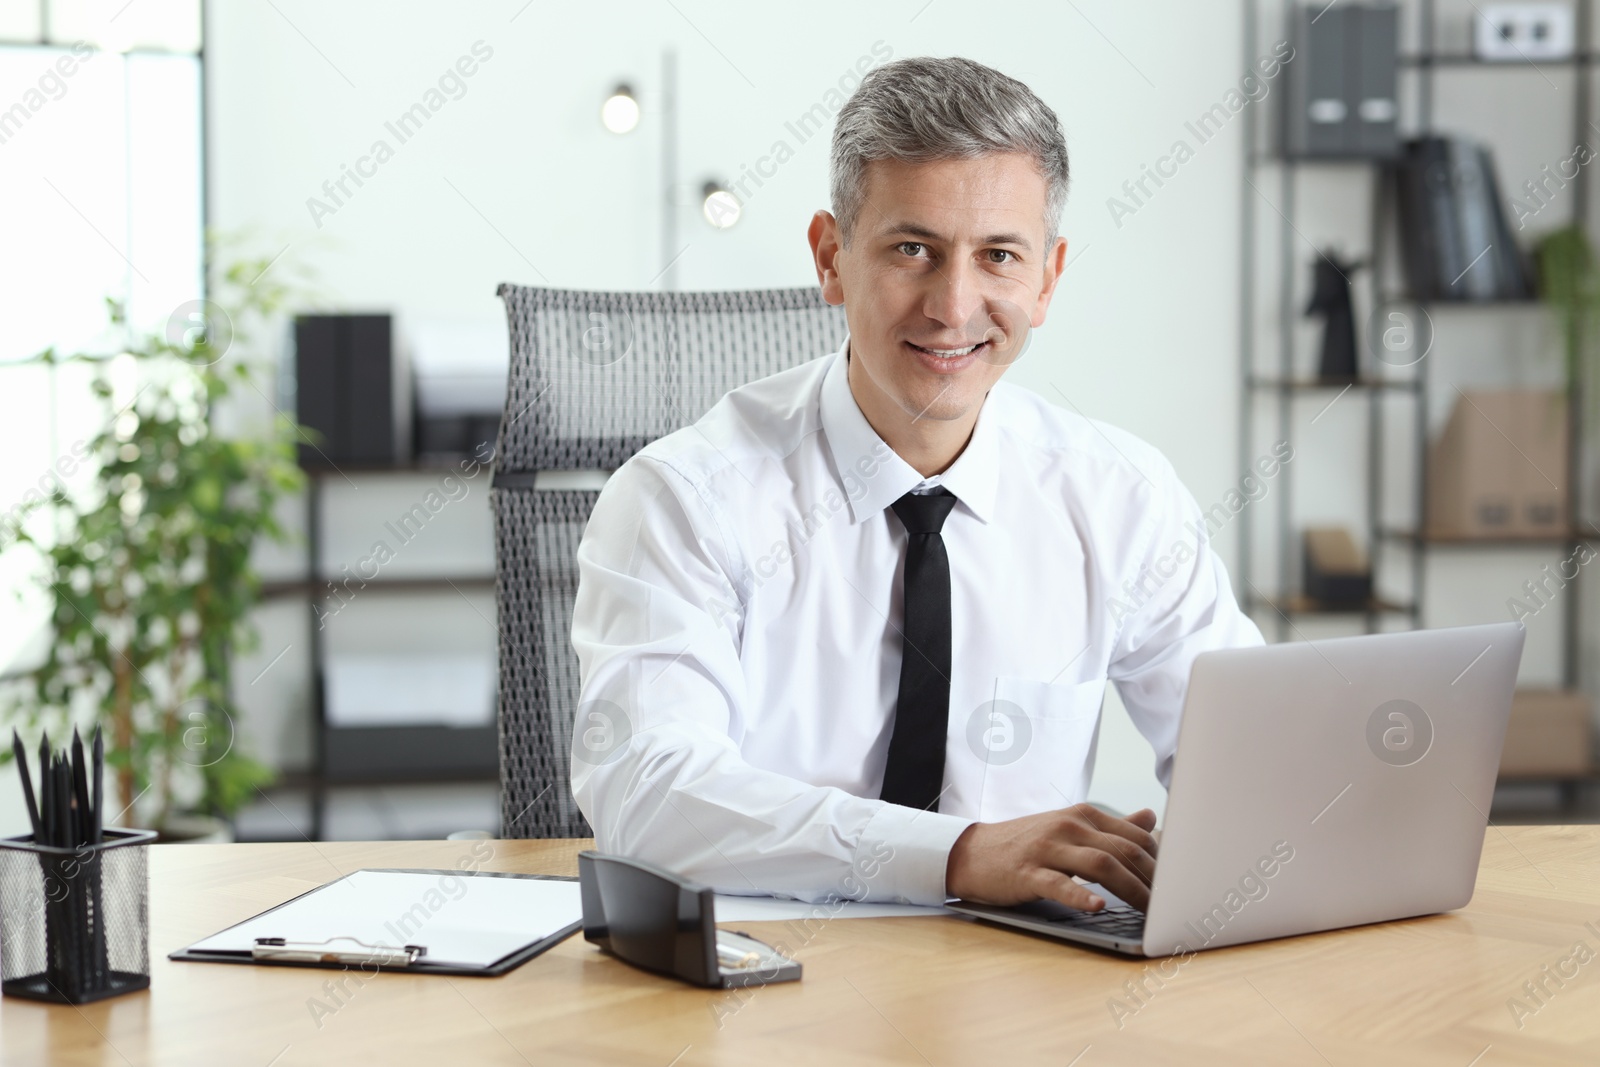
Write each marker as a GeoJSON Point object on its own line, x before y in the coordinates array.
{"type": "Point", "coordinates": [351, 392]}
{"type": "Point", "coordinates": [1336, 571]}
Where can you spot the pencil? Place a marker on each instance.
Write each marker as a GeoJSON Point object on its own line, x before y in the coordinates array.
{"type": "Point", "coordinates": [27, 783]}
{"type": "Point", "coordinates": [82, 962]}
{"type": "Point", "coordinates": [97, 897]}
{"type": "Point", "coordinates": [52, 809]}
{"type": "Point", "coordinates": [72, 903]}
{"type": "Point", "coordinates": [46, 790]}
{"type": "Point", "coordinates": [64, 781]}
{"type": "Point", "coordinates": [55, 925]}
{"type": "Point", "coordinates": [80, 793]}
{"type": "Point", "coordinates": [99, 787]}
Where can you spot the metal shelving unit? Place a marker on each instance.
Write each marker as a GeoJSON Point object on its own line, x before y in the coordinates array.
{"type": "Point", "coordinates": [1283, 389]}
{"type": "Point", "coordinates": [377, 755]}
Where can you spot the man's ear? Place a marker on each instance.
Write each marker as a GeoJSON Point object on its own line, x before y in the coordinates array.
{"type": "Point", "coordinates": [1054, 263]}
{"type": "Point", "coordinates": [823, 234]}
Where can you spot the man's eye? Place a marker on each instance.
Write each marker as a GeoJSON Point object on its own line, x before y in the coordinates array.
{"type": "Point", "coordinates": [910, 248]}
{"type": "Point", "coordinates": [1010, 256]}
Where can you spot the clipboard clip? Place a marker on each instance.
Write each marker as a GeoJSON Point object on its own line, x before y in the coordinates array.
{"type": "Point", "coordinates": [278, 948]}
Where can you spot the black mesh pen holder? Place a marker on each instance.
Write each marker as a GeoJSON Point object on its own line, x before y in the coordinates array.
{"type": "Point", "coordinates": [75, 922]}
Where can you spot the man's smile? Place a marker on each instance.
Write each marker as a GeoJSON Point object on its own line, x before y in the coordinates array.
{"type": "Point", "coordinates": [948, 360]}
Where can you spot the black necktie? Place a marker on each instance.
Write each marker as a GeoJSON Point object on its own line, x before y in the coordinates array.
{"type": "Point", "coordinates": [915, 771]}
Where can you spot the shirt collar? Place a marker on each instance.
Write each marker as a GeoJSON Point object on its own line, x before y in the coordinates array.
{"type": "Point", "coordinates": [873, 474]}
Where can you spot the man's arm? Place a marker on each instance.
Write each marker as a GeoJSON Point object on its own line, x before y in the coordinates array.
{"type": "Point", "coordinates": [656, 766]}
{"type": "Point", "coordinates": [1184, 607]}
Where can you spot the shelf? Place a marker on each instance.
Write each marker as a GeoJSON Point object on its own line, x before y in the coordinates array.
{"type": "Point", "coordinates": [1454, 541]}
{"type": "Point", "coordinates": [305, 780]}
{"type": "Point", "coordinates": [1320, 161]}
{"type": "Point", "coordinates": [1304, 605]}
{"type": "Point", "coordinates": [421, 465]}
{"type": "Point", "coordinates": [1452, 305]}
{"type": "Point", "coordinates": [374, 755]}
{"type": "Point", "coordinates": [1271, 281]}
{"type": "Point", "coordinates": [1586, 778]}
{"type": "Point", "coordinates": [1315, 385]}
{"type": "Point", "coordinates": [1467, 59]}
{"type": "Point", "coordinates": [428, 583]}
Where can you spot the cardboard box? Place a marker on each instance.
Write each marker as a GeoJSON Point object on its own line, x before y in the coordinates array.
{"type": "Point", "coordinates": [1549, 735]}
{"type": "Point", "coordinates": [1499, 469]}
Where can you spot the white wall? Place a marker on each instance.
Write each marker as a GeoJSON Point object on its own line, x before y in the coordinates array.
{"type": "Point", "coordinates": [1143, 332]}
{"type": "Point", "coordinates": [517, 181]}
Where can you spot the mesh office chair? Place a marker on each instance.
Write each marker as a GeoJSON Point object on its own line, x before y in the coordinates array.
{"type": "Point", "coordinates": [594, 378]}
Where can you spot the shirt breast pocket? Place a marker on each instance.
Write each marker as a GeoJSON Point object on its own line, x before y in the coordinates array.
{"type": "Point", "coordinates": [1036, 741]}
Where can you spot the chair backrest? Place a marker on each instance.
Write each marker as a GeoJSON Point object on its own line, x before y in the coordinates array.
{"type": "Point", "coordinates": [594, 378]}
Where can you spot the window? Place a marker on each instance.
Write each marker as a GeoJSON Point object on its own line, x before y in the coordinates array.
{"type": "Point", "coordinates": [101, 194]}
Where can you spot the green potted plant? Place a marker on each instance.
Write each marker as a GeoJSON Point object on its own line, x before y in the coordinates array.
{"type": "Point", "coordinates": [1569, 282]}
{"type": "Point", "coordinates": [147, 568]}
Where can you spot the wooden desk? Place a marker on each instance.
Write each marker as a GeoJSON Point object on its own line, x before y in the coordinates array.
{"type": "Point", "coordinates": [913, 991]}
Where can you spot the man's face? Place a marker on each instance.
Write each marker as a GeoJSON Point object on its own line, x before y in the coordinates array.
{"type": "Point", "coordinates": [946, 273]}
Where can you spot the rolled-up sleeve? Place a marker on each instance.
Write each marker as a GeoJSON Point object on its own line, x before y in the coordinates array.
{"type": "Point", "coordinates": [656, 767]}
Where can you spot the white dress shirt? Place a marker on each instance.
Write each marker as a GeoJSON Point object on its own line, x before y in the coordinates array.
{"type": "Point", "coordinates": [738, 627]}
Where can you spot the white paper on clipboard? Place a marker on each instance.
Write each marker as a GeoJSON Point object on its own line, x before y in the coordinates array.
{"type": "Point", "coordinates": [462, 920]}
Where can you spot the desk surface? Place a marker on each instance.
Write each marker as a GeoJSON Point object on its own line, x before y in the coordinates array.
{"type": "Point", "coordinates": [924, 990]}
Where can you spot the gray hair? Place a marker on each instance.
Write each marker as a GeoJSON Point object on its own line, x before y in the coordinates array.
{"type": "Point", "coordinates": [922, 109]}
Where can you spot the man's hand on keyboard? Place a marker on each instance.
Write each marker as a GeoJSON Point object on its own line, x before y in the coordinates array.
{"type": "Point", "coordinates": [1035, 857]}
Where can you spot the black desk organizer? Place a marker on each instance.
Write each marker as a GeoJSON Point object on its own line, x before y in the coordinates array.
{"type": "Point", "coordinates": [659, 922]}
{"type": "Point", "coordinates": [75, 922]}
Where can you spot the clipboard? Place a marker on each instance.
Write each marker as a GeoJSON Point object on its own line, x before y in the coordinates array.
{"type": "Point", "coordinates": [341, 953]}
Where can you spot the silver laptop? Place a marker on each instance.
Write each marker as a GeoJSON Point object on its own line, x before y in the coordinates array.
{"type": "Point", "coordinates": [1317, 785]}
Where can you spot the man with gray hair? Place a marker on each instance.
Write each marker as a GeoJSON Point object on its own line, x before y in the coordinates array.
{"type": "Point", "coordinates": [859, 619]}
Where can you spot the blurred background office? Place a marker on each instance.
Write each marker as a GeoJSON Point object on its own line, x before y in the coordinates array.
{"type": "Point", "coordinates": [1330, 258]}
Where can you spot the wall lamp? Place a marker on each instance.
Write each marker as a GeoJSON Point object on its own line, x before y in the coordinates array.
{"type": "Point", "coordinates": [720, 207]}
{"type": "Point", "coordinates": [620, 112]}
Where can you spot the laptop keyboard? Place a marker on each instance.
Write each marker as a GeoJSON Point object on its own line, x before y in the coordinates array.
{"type": "Point", "coordinates": [1117, 920]}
